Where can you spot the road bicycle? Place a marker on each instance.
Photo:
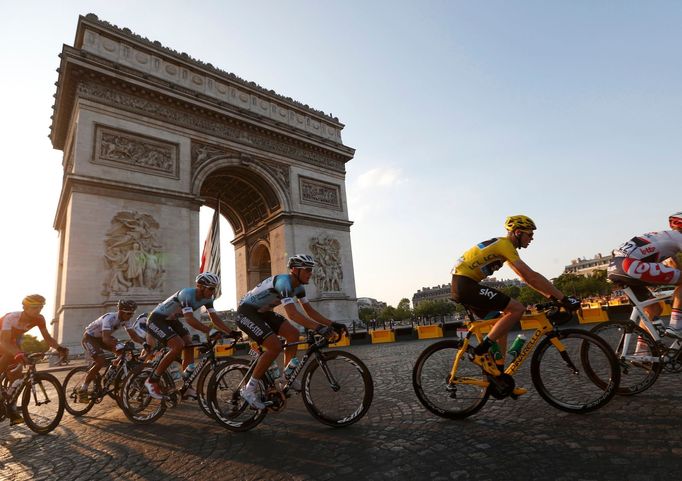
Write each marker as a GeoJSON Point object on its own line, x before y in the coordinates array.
{"type": "Point", "coordinates": [641, 351]}
{"type": "Point", "coordinates": [141, 408]}
{"type": "Point", "coordinates": [568, 368]}
{"type": "Point", "coordinates": [42, 397]}
{"type": "Point", "coordinates": [337, 387]}
{"type": "Point", "coordinates": [107, 384]}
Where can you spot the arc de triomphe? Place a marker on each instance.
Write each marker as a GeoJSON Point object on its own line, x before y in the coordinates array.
{"type": "Point", "coordinates": [149, 135]}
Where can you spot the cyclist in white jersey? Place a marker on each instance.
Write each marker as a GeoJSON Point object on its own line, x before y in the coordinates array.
{"type": "Point", "coordinates": [256, 317]}
{"type": "Point", "coordinates": [165, 326]}
{"type": "Point", "coordinates": [13, 326]}
{"type": "Point", "coordinates": [650, 259]}
{"type": "Point", "coordinates": [98, 337]}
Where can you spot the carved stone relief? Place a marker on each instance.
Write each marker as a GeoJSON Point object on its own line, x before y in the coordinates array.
{"type": "Point", "coordinates": [135, 152]}
{"type": "Point", "coordinates": [319, 193]}
{"type": "Point", "coordinates": [182, 117]}
{"type": "Point", "coordinates": [133, 254]}
{"type": "Point", "coordinates": [328, 273]}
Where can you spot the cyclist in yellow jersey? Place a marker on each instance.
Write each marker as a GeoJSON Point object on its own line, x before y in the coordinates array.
{"type": "Point", "coordinates": [480, 262]}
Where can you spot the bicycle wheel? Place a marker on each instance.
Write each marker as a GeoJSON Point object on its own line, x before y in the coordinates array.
{"type": "Point", "coordinates": [566, 380]}
{"type": "Point", "coordinates": [639, 370]}
{"type": "Point", "coordinates": [465, 396]}
{"type": "Point", "coordinates": [72, 384]}
{"type": "Point", "coordinates": [43, 403]}
{"type": "Point", "coordinates": [203, 379]}
{"type": "Point", "coordinates": [337, 388]}
{"type": "Point", "coordinates": [229, 409]}
{"type": "Point", "coordinates": [136, 402]}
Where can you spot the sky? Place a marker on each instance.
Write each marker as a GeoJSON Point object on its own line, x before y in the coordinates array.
{"type": "Point", "coordinates": [461, 113]}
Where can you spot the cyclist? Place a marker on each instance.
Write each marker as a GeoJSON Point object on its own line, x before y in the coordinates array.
{"type": "Point", "coordinates": [256, 317]}
{"type": "Point", "coordinates": [13, 325]}
{"type": "Point", "coordinates": [652, 259]}
{"type": "Point", "coordinates": [166, 328]}
{"type": "Point", "coordinates": [480, 262]}
{"type": "Point", "coordinates": [139, 334]}
{"type": "Point", "coordinates": [98, 337]}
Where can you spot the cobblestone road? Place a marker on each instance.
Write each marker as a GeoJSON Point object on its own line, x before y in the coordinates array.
{"type": "Point", "coordinates": [631, 439]}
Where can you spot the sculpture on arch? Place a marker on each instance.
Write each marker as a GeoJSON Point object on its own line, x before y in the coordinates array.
{"type": "Point", "coordinates": [328, 272]}
{"type": "Point", "coordinates": [133, 254]}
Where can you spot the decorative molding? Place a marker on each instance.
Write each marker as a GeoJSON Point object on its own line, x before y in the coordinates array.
{"type": "Point", "coordinates": [133, 255]}
{"type": "Point", "coordinates": [224, 129]}
{"type": "Point", "coordinates": [327, 273]}
{"type": "Point", "coordinates": [318, 193]}
{"type": "Point", "coordinates": [131, 151]}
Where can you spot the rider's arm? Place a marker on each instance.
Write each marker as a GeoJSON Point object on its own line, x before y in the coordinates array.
{"type": "Point", "coordinates": [535, 280]}
{"type": "Point", "coordinates": [314, 315]}
{"type": "Point", "coordinates": [192, 321]}
{"type": "Point", "coordinates": [134, 337]}
{"type": "Point", "coordinates": [48, 338]}
{"type": "Point", "coordinates": [218, 322]}
{"type": "Point", "coordinates": [295, 315]}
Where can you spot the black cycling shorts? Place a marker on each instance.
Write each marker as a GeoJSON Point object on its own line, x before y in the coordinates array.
{"type": "Point", "coordinates": [477, 297]}
{"type": "Point", "coordinates": [258, 325]}
{"type": "Point", "coordinates": [163, 329]}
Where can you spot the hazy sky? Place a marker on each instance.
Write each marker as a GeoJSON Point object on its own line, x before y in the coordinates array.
{"type": "Point", "coordinates": [461, 113]}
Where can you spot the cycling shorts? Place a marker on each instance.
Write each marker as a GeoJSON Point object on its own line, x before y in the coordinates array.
{"type": "Point", "coordinates": [477, 297]}
{"type": "Point", "coordinates": [163, 329]}
{"type": "Point", "coordinates": [258, 325]}
{"type": "Point", "coordinates": [93, 345]}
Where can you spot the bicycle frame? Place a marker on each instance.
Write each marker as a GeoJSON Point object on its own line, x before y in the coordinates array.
{"type": "Point", "coordinates": [542, 327]}
{"type": "Point", "coordinates": [26, 382]}
{"type": "Point", "coordinates": [638, 316]}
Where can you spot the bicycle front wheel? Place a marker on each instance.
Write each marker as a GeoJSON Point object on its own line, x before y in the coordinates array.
{"type": "Point", "coordinates": [228, 407]}
{"type": "Point", "coordinates": [566, 380]}
{"type": "Point", "coordinates": [72, 384]}
{"type": "Point", "coordinates": [136, 402]}
{"type": "Point", "coordinates": [43, 403]}
{"type": "Point", "coordinates": [203, 380]}
{"type": "Point", "coordinates": [337, 388]}
{"type": "Point", "coordinates": [639, 360]}
{"type": "Point", "coordinates": [464, 396]}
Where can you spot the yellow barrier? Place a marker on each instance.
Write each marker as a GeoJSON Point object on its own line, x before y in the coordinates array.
{"type": "Point", "coordinates": [429, 332]}
{"type": "Point", "coordinates": [593, 315]}
{"type": "Point", "coordinates": [224, 350]}
{"type": "Point", "coordinates": [530, 321]}
{"type": "Point", "coordinates": [344, 341]}
{"type": "Point", "coordinates": [667, 309]}
{"type": "Point", "coordinates": [379, 336]}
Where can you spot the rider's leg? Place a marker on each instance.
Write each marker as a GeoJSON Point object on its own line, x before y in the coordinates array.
{"type": "Point", "coordinates": [676, 312]}
{"type": "Point", "coordinates": [98, 362]}
{"type": "Point", "coordinates": [272, 347]}
{"type": "Point", "coordinates": [187, 352]}
{"type": "Point", "coordinates": [511, 315]}
{"type": "Point", "coordinates": [176, 345]}
{"type": "Point", "coordinates": [290, 333]}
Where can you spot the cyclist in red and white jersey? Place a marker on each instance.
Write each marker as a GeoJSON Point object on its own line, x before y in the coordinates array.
{"type": "Point", "coordinates": [653, 259]}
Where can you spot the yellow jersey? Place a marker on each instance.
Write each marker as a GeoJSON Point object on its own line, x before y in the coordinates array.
{"type": "Point", "coordinates": [485, 258]}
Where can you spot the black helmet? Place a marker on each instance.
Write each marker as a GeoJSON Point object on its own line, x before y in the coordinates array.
{"type": "Point", "coordinates": [127, 306]}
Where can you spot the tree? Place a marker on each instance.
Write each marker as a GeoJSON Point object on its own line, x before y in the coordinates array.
{"type": "Point", "coordinates": [31, 343]}
{"type": "Point", "coordinates": [403, 310]}
{"type": "Point", "coordinates": [366, 314]}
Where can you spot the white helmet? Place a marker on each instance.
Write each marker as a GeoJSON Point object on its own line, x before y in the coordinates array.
{"type": "Point", "coordinates": [208, 279]}
{"type": "Point", "coordinates": [301, 260]}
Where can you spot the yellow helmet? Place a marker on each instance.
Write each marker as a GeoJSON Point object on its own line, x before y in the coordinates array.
{"type": "Point", "coordinates": [33, 300]}
{"type": "Point", "coordinates": [514, 222]}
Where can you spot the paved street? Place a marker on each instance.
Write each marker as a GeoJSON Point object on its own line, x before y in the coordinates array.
{"type": "Point", "coordinates": [632, 439]}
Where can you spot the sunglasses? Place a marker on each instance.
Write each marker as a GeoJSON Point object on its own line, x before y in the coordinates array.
{"type": "Point", "coordinates": [210, 288]}
{"type": "Point", "coordinates": [128, 312]}
{"type": "Point", "coordinates": [307, 269]}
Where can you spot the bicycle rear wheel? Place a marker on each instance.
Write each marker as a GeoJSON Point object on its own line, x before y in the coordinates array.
{"type": "Point", "coordinates": [72, 384]}
{"type": "Point", "coordinates": [203, 380]}
{"type": "Point", "coordinates": [566, 380]}
{"type": "Point", "coordinates": [136, 402]}
{"type": "Point", "coordinates": [229, 409]}
{"type": "Point", "coordinates": [43, 403]}
{"type": "Point", "coordinates": [465, 396]}
{"type": "Point", "coordinates": [337, 389]}
{"type": "Point", "coordinates": [639, 370]}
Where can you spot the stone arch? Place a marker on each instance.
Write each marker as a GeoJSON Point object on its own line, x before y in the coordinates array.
{"type": "Point", "coordinates": [260, 262]}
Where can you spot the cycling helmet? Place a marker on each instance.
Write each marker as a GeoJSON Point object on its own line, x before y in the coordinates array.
{"type": "Point", "coordinates": [128, 306]}
{"type": "Point", "coordinates": [675, 220]}
{"type": "Point", "coordinates": [522, 222]}
{"type": "Point", "coordinates": [33, 300]}
{"type": "Point", "coordinates": [301, 260]}
{"type": "Point", "coordinates": [208, 279]}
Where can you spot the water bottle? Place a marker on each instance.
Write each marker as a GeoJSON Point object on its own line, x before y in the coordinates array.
{"type": "Point", "coordinates": [175, 371]}
{"type": "Point", "coordinates": [273, 371]}
{"type": "Point", "coordinates": [515, 348]}
{"type": "Point", "coordinates": [495, 352]}
{"type": "Point", "coordinates": [291, 366]}
{"type": "Point", "coordinates": [188, 371]}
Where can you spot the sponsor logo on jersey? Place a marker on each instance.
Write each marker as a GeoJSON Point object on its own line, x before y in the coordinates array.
{"type": "Point", "coordinates": [487, 293]}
